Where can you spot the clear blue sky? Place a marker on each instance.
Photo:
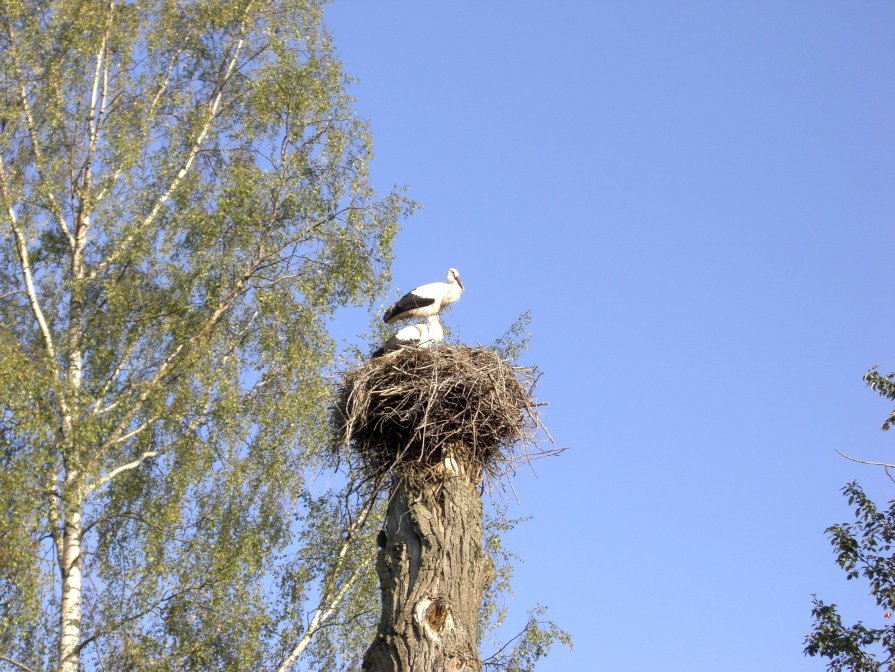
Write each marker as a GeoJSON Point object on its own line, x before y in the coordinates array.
{"type": "Point", "coordinates": [696, 201]}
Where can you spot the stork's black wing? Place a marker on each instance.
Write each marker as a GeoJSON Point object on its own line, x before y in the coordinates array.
{"type": "Point", "coordinates": [406, 303]}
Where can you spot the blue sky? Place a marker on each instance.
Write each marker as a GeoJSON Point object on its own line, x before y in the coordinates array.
{"type": "Point", "coordinates": [696, 202]}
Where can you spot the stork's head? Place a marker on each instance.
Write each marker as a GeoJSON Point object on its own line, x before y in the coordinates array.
{"type": "Point", "coordinates": [453, 275]}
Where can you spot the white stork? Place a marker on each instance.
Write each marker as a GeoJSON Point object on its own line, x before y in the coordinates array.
{"type": "Point", "coordinates": [426, 300]}
{"type": "Point", "coordinates": [423, 335]}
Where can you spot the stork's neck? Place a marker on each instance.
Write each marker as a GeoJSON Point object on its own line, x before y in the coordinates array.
{"type": "Point", "coordinates": [453, 291]}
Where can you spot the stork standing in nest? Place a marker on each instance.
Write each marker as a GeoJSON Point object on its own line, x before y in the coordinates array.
{"type": "Point", "coordinates": [426, 300]}
{"type": "Point", "coordinates": [423, 335]}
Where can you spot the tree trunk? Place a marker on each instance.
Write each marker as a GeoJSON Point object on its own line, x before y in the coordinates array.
{"type": "Point", "coordinates": [70, 611]}
{"type": "Point", "coordinates": [432, 572]}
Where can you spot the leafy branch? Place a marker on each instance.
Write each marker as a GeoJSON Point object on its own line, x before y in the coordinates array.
{"type": "Point", "coordinates": [884, 385]}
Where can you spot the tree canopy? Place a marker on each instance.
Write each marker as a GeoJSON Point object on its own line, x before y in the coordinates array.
{"type": "Point", "coordinates": [185, 201]}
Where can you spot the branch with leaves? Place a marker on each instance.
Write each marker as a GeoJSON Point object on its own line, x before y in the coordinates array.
{"type": "Point", "coordinates": [884, 385]}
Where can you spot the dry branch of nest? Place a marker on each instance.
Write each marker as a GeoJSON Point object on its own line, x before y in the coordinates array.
{"type": "Point", "coordinates": [416, 408]}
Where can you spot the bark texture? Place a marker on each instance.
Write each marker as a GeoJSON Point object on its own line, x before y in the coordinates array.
{"type": "Point", "coordinates": [432, 572]}
{"type": "Point", "coordinates": [70, 610]}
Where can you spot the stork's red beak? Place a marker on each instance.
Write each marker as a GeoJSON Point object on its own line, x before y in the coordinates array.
{"type": "Point", "coordinates": [459, 282]}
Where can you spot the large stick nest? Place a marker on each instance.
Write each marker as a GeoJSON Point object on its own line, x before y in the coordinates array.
{"type": "Point", "coordinates": [418, 407]}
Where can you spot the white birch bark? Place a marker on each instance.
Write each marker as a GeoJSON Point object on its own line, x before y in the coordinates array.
{"type": "Point", "coordinates": [70, 566]}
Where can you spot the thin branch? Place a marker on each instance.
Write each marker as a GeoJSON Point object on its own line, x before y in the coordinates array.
{"type": "Point", "coordinates": [12, 293]}
{"type": "Point", "coordinates": [337, 598]}
{"type": "Point", "coordinates": [161, 90]}
{"type": "Point", "coordinates": [191, 427]}
{"type": "Point", "coordinates": [16, 664]}
{"type": "Point", "coordinates": [885, 465]}
{"type": "Point", "coordinates": [124, 467]}
{"type": "Point", "coordinates": [102, 410]}
{"type": "Point", "coordinates": [496, 658]}
{"type": "Point", "coordinates": [875, 464]}
{"type": "Point", "coordinates": [25, 265]}
{"type": "Point", "coordinates": [98, 95]}
{"type": "Point", "coordinates": [98, 98]}
{"type": "Point", "coordinates": [125, 358]}
{"type": "Point", "coordinates": [138, 430]}
{"type": "Point", "coordinates": [140, 614]}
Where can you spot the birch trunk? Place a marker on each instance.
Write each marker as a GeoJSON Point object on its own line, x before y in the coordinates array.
{"type": "Point", "coordinates": [70, 568]}
{"type": "Point", "coordinates": [73, 496]}
{"type": "Point", "coordinates": [432, 572]}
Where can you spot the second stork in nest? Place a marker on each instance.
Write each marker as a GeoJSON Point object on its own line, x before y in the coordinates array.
{"type": "Point", "coordinates": [424, 335]}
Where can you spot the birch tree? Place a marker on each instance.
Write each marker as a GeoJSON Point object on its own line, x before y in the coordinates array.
{"type": "Point", "coordinates": [184, 204]}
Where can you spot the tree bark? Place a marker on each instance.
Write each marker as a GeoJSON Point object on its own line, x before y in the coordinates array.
{"type": "Point", "coordinates": [432, 573]}
{"type": "Point", "coordinates": [70, 611]}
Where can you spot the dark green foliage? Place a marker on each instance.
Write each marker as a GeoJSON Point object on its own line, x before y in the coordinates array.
{"type": "Point", "coordinates": [885, 387]}
{"type": "Point", "coordinates": [846, 647]}
{"type": "Point", "coordinates": [865, 549]}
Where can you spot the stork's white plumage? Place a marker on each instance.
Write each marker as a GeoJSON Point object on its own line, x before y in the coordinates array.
{"type": "Point", "coordinates": [424, 335]}
{"type": "Point", "coordinates": [426, 300]}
